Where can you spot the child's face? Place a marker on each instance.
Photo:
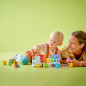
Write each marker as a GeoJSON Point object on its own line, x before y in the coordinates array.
{"type": "Point", "coordinates": [54, 41]}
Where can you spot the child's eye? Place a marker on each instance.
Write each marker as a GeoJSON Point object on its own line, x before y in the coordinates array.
{"type": "Point", "coordinates": [54, 42]}
{"type": "Point", "coordinates": [70, 43]}
{"type": "Point", "coordinates": [51, 40]}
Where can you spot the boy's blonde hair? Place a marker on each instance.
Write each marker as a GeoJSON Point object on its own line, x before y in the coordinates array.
{"type": "Point", "coordinates": [59, 35]}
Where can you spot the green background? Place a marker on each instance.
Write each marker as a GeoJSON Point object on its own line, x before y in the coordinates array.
{"type": "Point", "coordinates": [25, 23]}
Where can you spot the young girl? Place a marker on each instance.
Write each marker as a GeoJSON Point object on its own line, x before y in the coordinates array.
{"type": "Point", "coordinates": [56, 39]}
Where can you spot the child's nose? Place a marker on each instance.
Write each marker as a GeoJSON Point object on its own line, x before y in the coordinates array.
{"type": "Point", "coordinates": [69, 44]}
{"type": "Point", "coordinates": [52, 42]}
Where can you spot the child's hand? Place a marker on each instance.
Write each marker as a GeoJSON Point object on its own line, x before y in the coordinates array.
{"type": "Point", "coordinates": [37, 50]}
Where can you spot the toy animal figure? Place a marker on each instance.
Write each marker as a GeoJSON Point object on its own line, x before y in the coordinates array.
{"type": "Point", "coordinates": [21, 59]}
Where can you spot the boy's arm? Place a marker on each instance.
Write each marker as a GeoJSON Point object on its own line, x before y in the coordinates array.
{"type": "Point", "coordinates": [30, 54]}
{"type": "Point", "coordinates": [36, 50]}
{"type": "Point", "coordinates": [40, 48]}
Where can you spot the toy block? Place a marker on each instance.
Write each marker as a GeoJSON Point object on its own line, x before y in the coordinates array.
{"type": "Point", "coordinates": [15, 66]}
{"type": "Point", "coordinates": [51, 60]}
{"type": "Point", "coordinates": [41, 56]}
{"type": "Point", "coordinates": [48, 60]}
{"type": "Point", "coordinates": [38, 65]}
{"type": "Point", "coordinates": [44, 60]}
{"type": "Point", "coordinates": [49, 56]}
{"type": "Point", "coordinates": [3, 62]}
{"type": "Point", "coordinates": [15, 63]}
{"type": "Point", "coordinates": [58, 60]}
{"type": "Point", "coordinates": [37, 61]}
{"type": "Point", "coordinates": [53, 65]}
{"type": "Point", "coordinates": [37, 58]}
{"type": "Point", "coordinates": [10, 62]}
{"type": "Point", "coordinates": [70, 65]}
{"type": "Point", "coordinates": [41, 61]}
{"type": "Point", "coordinates": [33, 58]}
{"type": "Point", "coordinates": [44, 56]}
{"type": "Point", "coordinates": [45, 65]}
{"type": "Point", "coordinates": [54, 60]}
{"type": "Point", "coordinates": [57, 65]}
{"type": "Point", "coordinates": [34, 63]}
{"type": "Point", "coordinates": [49, 64]}
{"type": "Point", "coordinates": [55, 56]}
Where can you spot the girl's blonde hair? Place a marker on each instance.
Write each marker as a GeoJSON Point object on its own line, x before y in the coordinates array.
{"type": "Point", "coordinates": [59, 35]}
